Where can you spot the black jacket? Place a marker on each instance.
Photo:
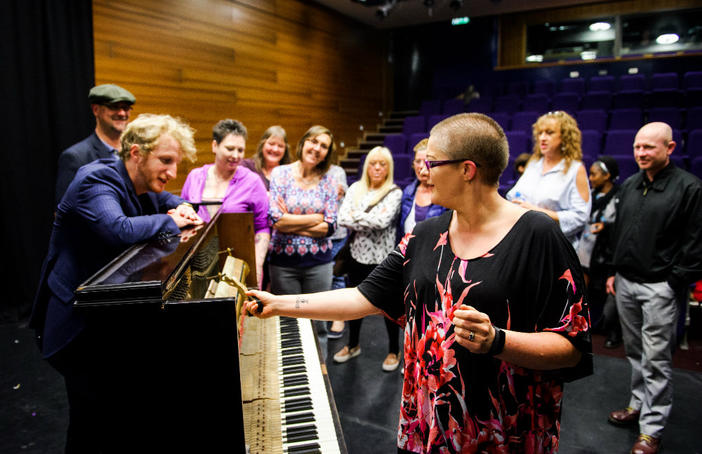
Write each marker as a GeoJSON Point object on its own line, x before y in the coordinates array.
{"type": "Point", "coordinates": [658, 230]}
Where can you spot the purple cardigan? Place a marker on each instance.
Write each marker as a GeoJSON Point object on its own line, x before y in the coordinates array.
{"type": "Point", "coordinates": [245, 193]}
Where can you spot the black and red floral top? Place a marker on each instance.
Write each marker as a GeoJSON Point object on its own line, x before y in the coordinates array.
{"type": "Point", "coordinates": [454, 401]}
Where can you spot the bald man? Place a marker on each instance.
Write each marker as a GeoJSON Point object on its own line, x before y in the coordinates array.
{"type": "Point", "coordinates": [657, 254]}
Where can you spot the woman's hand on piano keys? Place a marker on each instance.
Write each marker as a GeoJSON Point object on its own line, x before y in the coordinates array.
{"type": "Point", "coordinates": [259, 304]}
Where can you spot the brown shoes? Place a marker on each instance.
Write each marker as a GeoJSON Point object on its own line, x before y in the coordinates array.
{"type": "Point", "coordinates": [625, 417]}
{"type": "Point", "coordinates": [646, 444]}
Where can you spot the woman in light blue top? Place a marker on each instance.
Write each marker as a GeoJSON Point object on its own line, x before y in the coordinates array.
{"type": "Point", "coordinates": [555, 181]}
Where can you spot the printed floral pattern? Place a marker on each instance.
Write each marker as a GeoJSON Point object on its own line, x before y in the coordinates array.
{"type": "Point", "coordinates": [457, 402]}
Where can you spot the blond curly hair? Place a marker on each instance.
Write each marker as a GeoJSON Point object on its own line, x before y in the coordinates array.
{"type": "Point", "coordinates": [571, 138]}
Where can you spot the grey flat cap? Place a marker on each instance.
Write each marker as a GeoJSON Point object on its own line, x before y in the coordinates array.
{"type": "Point", "coordinates": [110, 93]}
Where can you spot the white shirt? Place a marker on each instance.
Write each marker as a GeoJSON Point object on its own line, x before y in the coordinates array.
{"type": "Point", "coordinates": [555, 191]}
{"type": "Point", "coordinates": [375, 230]}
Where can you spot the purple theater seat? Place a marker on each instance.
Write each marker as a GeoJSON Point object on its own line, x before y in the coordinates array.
{"type": "Point", "coordinates": [694, 118]}
{"type": "Point", "coordinates": [596, 100]}
{"type": "Point", "coordinates": [567, 102]}
{"type": "Point", "coordinates": [620, 142]}
{"type": "Point", "coordinates": [524, 121]}
{"type": "Point", "coordinates": [663, 81]}
{"type": "Point", "coordinates": [403, 172]}
{"type": "Point", "coordinates": [572, 85]}
{"type": "Point", "coordinates": [665, 97]}
{"type": "Point", "coordinates": [430, 107]}
{"type": "Point", "coordinates": [518, 142]}
{"type": "Point", "coordinates": [595, 119]}
{"type": "Point", "coordinates": [670, 115]}
{"type": "Point", "coordinates": [452, 107]}
{"type": "Point", "coordinates": [692, 79]}
{"type": "Point", "coordinates": [397, 143]}
{"type": "Point", "coordinates": [414, 124]}
{"type": "Point", "coordinates": [627, 165]}
{"type": "Point", "coordinates": [632, 82]}
{"type": "Point", "coordinates": [537, 102]}
{"type": "Point", "coordinates": [519, 88]}
{"type": "Point", "coordinates": [625, 119]}
{"type": "Point", "coordinates": [696, 167]}
{"type": "Point", "coordinates": [544, 86]}
{"type": "Point", "coordinates": [592, 144]}
{"type": "Point", "coordinates": [693, 97]}
{"type": "Point", "coordinates": [480, 105]}
{"type": "Point", "coordinates": [507, 103]}
{"type": "Point", "coordinates": [502, 118]}
{"type": "Point", "coordinates": [361, 161]}
{"type": "Point", "coordinates": [628, 99]}
{"type": "Point", "coordinates": [434, 119]}
{"type": "Point", "coordinates": [413, 140]}
{"type": "Point", "coordinates": [601, 83]}
{"type": "Point", "coordinates": [693, 147]}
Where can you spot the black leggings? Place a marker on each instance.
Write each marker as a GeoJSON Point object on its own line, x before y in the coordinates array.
{"type": "Point", "coordinates": [357, 272]}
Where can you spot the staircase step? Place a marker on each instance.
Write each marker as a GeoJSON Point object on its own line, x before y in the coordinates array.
{"type": "Point", "coordinates": [403, 113]}
{"type": "Point", "coordinates": [390, 129]}
{"type": "Point", "coordinates": [355, 153]}
{"type": "Point", "coordinates": [368, 144]}
{"type": "Point", "coordinates": [375, 136]}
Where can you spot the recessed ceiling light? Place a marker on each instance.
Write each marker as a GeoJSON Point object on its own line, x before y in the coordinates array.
{"type": "Point", "coordinates": [535, 58]}
{"type": "Point", "coordinates": [667, 38]}
{"type": "Point", "coordinates": [600, 26]}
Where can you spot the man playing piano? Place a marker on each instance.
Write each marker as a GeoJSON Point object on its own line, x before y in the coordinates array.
{"type": "Point", "coordinates": [109, 206]}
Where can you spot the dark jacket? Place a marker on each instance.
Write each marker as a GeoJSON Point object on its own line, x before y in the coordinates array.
{"type": "Point", "coordinates": [98, 218]}
{"type": "Point", "coordinates": [406, 207]}
{"type": "Point", "coordinates": [658, 230]}
{"type": "Point", "coordinates": [77, 155]}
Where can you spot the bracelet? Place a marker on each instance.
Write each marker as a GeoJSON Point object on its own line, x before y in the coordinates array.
{"type": "Point", "coordinates": [498, 342]}
{"type": "Point", "coordinates": [187, 204]}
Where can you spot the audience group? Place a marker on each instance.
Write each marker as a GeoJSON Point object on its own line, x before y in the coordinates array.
{"type": "Point", "coordinates": [637, 243]}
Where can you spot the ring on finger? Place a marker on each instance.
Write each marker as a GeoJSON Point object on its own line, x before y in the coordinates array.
{"type": "Point", "coordinates": [471, 336]}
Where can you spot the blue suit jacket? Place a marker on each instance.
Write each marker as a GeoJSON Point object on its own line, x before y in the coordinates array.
{"type": "Point", "coordinates": [98, 218]}
{"type": "Point", "coordinates": [77, 155]}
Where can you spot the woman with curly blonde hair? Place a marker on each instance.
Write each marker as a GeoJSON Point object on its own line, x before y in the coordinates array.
{"type": "Point", "coordinates": [555, 181]}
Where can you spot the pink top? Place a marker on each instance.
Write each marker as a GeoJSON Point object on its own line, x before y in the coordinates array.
{"type": "Point", "coordinates": [245, 193]}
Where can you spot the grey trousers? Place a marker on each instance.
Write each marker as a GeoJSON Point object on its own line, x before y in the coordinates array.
{"type": "Point", "coordinates": [293, 281]}
{"type": "Point", "coordinates": [648, 314]}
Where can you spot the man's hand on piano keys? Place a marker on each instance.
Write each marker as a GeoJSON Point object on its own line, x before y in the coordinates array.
{"type": "Point", "coordinates": [259, 304]}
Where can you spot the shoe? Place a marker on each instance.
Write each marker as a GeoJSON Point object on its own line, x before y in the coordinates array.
{"type": "Point", "coordinates": [625, 417]}
{"type": "Point", "coordinates": [347, 353]}
{"type": "Point", "coordinates": [333, 334]}
{"type": "Point", "coordinates": [391, 363]}
{"type": "Point", "coordinates": [612, 342]}
{"type": "Point", "coordinates": [646, 444]}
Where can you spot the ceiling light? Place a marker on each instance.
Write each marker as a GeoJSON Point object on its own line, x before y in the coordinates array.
{"type": "Point", "coordinates": [535, 58]}
{"type": "Point", "coordinates": [600, 26]}
{"type": "Point", "coordinates": [588, 55]}
{"type": "Point", "coordinates": [668, 38]}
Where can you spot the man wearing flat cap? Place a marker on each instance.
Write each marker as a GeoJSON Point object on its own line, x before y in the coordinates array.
{"type": "Point", "coordinates": [111, 105]}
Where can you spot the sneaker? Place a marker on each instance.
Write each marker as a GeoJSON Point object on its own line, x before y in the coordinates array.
{"type": "Point", "coordinates": [347, 353]}
{"type": "Point", "coordinates": [333, 334]}
{"type": "Point", "coordinates": [391, 362]}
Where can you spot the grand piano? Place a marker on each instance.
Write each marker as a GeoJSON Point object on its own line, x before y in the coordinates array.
{"type": "Point", "coordinates": [189, 373]}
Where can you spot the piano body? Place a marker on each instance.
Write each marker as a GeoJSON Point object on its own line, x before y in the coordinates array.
{"type": "Point", "coordinates": [183, 378]}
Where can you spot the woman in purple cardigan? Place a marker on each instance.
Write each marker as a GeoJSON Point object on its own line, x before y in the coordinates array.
{"type": "Point", "coordinates": [239, 189]}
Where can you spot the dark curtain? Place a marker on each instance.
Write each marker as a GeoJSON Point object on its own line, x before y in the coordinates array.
{"type": "Point", "coordinates": [47, 71]}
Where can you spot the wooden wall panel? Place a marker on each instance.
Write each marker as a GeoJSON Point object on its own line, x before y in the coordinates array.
{"type": "Point", "coordinates": [512, 47]}
{"type": "Point", "coordinates": [263, 62]}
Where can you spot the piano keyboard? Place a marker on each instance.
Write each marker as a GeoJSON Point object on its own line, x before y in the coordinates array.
{"type": "Point", "coordinates": [287, 408]}
{"type": "Point", "coordinates": [306, 416]}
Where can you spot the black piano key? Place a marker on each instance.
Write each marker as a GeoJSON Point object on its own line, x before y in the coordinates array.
{"type": "Point", "coordinates": [291, 343]}
{"type": "Point", "coordinates": [299, 418]}
{"type": "Point", "coordinates": [292, 351]}
{"type": "Point", "coordinates": [308, 448]}
{"type": "Point", "coordinates": [295, 381]}
{"type": "Point", "coordinates": [290, 360]}
{"type": "Point", "coordinates": [302, 406]}
{"type": "Point", "coordinates": [296, 392]}
{"type": "Point", "coordinates": [302, 437]}
{"type": "Point", "coordinates": [300, 429]}
{"type": "Point", "coordinates": [294, 370]}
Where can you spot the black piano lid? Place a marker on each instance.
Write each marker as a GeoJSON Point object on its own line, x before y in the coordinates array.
{"type": "Point", "coordinates": [145, 272]}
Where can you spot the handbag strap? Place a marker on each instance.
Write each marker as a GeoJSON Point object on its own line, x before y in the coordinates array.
{"type": "Point", "coordinates": [392, 188]}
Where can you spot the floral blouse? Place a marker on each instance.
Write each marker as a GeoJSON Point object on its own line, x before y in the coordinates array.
{"type": "Point", "coordinates": [288, 249]}
{"type": "Point", "coordinates": [454, 401]}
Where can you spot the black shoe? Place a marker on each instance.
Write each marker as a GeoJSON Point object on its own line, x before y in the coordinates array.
{"type": "Point", "coordinates": [612, 342]}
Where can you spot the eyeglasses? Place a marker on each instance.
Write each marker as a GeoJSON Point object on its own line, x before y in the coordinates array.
{"type": "Point", "coordinates": [430, 164]}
